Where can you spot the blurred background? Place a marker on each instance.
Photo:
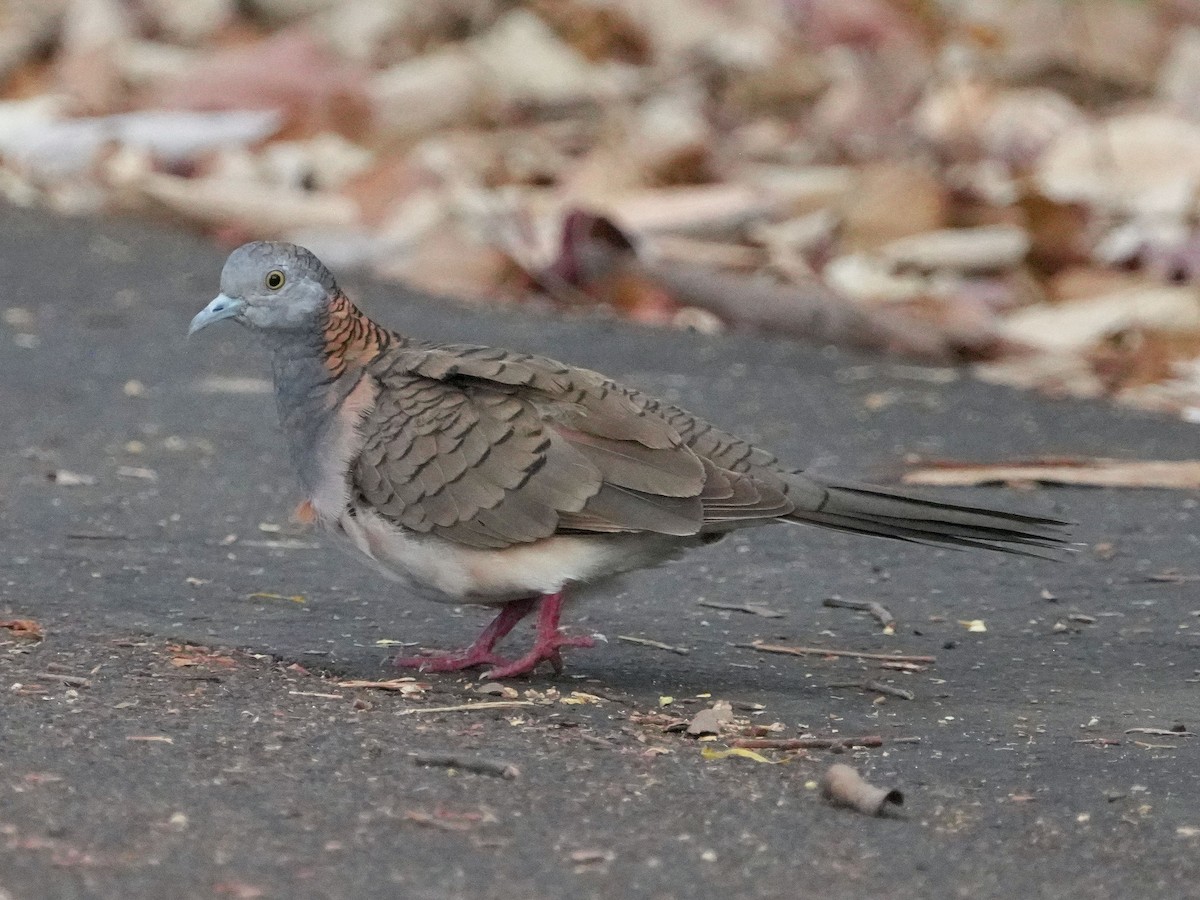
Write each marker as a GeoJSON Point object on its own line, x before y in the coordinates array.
{"type": "Point", "coordinates": [1006, 183]}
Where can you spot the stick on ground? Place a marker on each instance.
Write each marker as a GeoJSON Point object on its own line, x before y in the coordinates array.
{"type": "Point", "coordinates": [479, 765]}
{"type": "Point", "coordinates": [658, 645]}
{"type": "Point", "coordinates": [870, 684]}
{"type": "Point", "coordinates": [826, 651]}
{"type": "Point", "coordinates": [468, 707]}
{"type": "Point", "coordinates": [808, 743]}
{"type": "Point", "coordinates": [878, 610]}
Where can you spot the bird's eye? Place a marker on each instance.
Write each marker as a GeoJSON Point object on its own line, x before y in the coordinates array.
{"type": "Point", "coordinates": [275, 279]}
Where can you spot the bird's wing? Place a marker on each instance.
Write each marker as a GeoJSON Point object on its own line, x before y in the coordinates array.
{"type": "Point", "coordinates": [490, 448]}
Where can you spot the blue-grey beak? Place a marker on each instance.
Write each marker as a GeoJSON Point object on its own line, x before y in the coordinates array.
{"type": "Point", "coordinates": [222, 307]}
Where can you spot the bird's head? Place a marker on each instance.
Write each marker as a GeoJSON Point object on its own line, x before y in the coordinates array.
{"type": "Point", "coordinates": [268, 285]}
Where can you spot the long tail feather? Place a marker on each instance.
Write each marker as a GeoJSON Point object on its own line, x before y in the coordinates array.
{"type": "Point", "coordinates": [866, 509]}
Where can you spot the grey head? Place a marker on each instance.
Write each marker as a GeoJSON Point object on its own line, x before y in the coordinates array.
{"type": "Point", "coordinates": [269, 285]}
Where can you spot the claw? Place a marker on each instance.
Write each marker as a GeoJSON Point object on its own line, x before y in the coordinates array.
{"type": "Point", "coordinates": [449, 660]}
{"type": "Point", "coordinates": [544, 650]}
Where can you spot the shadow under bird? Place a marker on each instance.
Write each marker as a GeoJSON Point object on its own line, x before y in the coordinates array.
{"type": "Point", "coordinates": [478, 475]}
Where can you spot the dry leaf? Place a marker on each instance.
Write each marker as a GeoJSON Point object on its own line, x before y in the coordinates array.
{"type": "Point", "coordinates": [290, 70]}
{"type": "Point", "coordinates": [581, 698]}
{"type": "Point", "coordinates": [23, 628]}
{"type": "Point", "coordinates": [264, 595]}
{"type": "Point", "coordinates": [264, 209]}
{"type": "Point", "coordinates": [712, 753]}
{"type": "Point", "coordinates": [188, 655]}
{"type": "Point", "coordinates": [1077, 324]}
{"type": "Point", "coordinates": [1126, 164]}
{"type": "Point", "coordinates": [891, 201]}
{"type": "Point", "coordinates": [988, 248]}
{"type": "Point", "coordinates": [709, 721]}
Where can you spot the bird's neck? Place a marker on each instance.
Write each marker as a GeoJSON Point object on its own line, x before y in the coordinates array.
{"type": "Point", "coordinates": [350, 340]}
{"type": "Point", "coordinates": [316, 370]}
{"type": "Point", "coordinates": [338, 345]}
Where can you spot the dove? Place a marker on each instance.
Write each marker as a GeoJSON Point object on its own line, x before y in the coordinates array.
{"type": "Point", "coordinates": [485, 476]}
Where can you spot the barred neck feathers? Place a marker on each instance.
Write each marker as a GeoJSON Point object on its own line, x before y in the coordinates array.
{"type": "Point", "coordinates": [350, 339]}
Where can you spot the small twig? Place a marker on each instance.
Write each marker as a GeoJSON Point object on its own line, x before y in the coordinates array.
{"type": "Point", "coordinates": [431, 821]}
{"type": "Point", "coordinates": [877, 610]}
{"type": "Point", "coordinates": [68, 680]}
{"type": "Point", "coordinates": [1172, 577]}
{"type": "Point", "coordinates": [902, 666]}
{"type": "Point", "coordinates": [468, 707]}
{"type": "Point", "coordinates": [870, 684]}
{"type": "Point", "coordinates": [808, 743]}
{"type": "Point", "coordinates": [826, 651]}
{"type": "Point", "coordinates": [659, 645]}
{"type": "Point", "coordinates": [755, 609]}
{"type": "Point", "coordinates": [597, 741]}
{"type": "Point", "coordinates": [479, 765]}
{"type": "Point", "coordinates": [1162, 732]}
{"type": "Point", "coordinates": [402, 685]}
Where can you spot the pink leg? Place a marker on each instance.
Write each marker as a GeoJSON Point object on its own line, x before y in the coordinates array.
{"type": "Point", "coordinates": [547, 644]}
{"type": "Point", "coordinates": [479, 653]}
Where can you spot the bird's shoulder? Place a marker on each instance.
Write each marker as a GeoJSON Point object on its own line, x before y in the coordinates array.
{"type": "Point", "coordinates": [571, 396]}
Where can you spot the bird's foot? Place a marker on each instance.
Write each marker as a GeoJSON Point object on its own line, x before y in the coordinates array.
{"type": "Point", "coordinates": [479, 653]}
{"type": "Point", "coordinates": [547, 644]}
{"type": "Point", "coordinates": [451, 660]}
{"type": "Point", "coordinates": [546, 649]}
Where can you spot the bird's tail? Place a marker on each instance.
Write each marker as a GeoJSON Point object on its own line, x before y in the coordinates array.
{"type": "Point", "coordinates": [866, 509]}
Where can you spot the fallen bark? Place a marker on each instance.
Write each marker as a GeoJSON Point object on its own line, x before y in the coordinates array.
{"type": "Point", "coordinates": [598, 260]}
{"type": "Point", "coordinates": [843, 786]}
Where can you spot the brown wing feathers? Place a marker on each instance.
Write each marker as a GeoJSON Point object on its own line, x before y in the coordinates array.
{"type": "Point", "coordinates": [490, 449]}
{"type": "Point", "coordinates": [476, 467]}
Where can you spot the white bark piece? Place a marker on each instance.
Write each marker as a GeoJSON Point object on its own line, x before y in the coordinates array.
{"type": "Point", "coordinates": [988, 248]}
{"type": "Point", "coordinates": [1078, 324]}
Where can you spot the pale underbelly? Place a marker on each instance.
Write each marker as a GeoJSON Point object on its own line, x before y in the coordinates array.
{"type": "Point", "coordinates": [443, 571]}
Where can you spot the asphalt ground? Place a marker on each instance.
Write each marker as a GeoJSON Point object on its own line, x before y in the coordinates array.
{"type": "Point", "coordinates": [182, 729]}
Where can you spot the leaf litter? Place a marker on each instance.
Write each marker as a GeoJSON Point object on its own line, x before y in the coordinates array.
{"type": "Point", "coordinates": [692, 165]}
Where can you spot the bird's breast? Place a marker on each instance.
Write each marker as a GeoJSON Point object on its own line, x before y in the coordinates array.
{"type": "Point", "coordinates": [329, 491]}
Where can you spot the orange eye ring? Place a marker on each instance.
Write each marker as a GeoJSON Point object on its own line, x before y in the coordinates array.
{"type": "Point", "coordinates": [274, 280]}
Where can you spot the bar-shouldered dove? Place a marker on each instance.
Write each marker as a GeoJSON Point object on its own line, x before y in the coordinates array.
{"type": "Point", "coordinates": [484, 476]}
